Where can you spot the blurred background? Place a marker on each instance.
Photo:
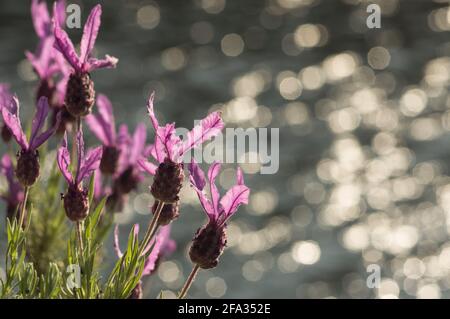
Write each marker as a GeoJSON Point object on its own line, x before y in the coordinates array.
{"type": "Point", "coordinates": [364, 118]}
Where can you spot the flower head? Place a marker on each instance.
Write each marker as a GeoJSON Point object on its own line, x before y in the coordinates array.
{"type": "Point", "coordinates": [15, 193]}
{"type": "Point", "coordinates": [83, 63]}
{"type": "Point", "coordinates": [76, 202]}
{"type": "Point", "coordinates": [103, 126]}
{"type": "Point", "coordinates": [210, 240]}
{"type": "Point", "coordinates": [28, 161]}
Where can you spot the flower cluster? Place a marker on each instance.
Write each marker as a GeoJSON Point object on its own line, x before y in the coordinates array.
{"type": "Point", "coordinates": [113, 169]}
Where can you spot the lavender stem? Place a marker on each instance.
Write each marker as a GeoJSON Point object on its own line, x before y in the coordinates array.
{"type": "Point", "coordinates": [189, 282]}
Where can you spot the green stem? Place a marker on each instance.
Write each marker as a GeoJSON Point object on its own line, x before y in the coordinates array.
{"type": "Point", "coordinates": [24, 204]}
{"type": "Point", "coordinates": [189, 282]}
{"type": "Point", "coordinates": [153, 227]}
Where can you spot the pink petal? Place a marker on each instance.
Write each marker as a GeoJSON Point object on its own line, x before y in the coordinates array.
{"type": "Point", "coordinates": [90, 164]}
{"type": "Point", "coordinates": [63, 159]}
{"type": "Point", "coordinates": [197, 179]}
{"type": "Point", "coordinates": [230, 203]}
{"type": "Point", "coordinates": [41, 18]}
{"type": "Point", "coordinates": [80, 153]}
{"type": "Point", "coordinates": [59, 11]}
{"type": "Point", "coordinates": [64, 45]}
{"type": "Point", "coordinates": [107, 62]}
{"type": "Point", "coordinates": [12, 121]}
{"type": "Point", "coordinates": [157, 251]}
{"type": "Point", "coordinates": [151, 112]}
{"type": "Point", "coordinates": [39, 140]}
{"type": "Point", "coordinates": [239, 177]}
{"type": "Point", "coordinates": [209, 127]}
{"type": "Point", "coordinates": [102, 125]}
{"type": "Point", "coordinates": [138, 143]}
{"type": "Point", "coordinates": [90, 33]}
{"type": "Point", "coordinates": [213, 172]}
{"type": "Point", "coordinates": [147, 166]}
{"type": "Point", "coordinates": [39, 118]}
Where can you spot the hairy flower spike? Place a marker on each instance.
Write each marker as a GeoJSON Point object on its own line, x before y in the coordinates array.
{"type": "Point", "coordinates": [28, 158]}
{"type": "Point", "coordinates": [80, 95]}
{"type": "Point", "coordinates": [76, 202]}
{"type": "Point", "coordinates": [210, 240]}
{"type": "Point", "coordinates": [168, 181]}
{"type": "Point", "coordinates": [169, 212]}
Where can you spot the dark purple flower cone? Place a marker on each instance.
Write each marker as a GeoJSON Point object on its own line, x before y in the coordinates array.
{"type": "Point", "coordinates": [168, 181]}
{"type": "Point", "coordinates": [76, 203]}
{"type": "Point", "coordinates": [136, 293]}
{"type": "Point", "coordinates": [6, 134]}
{"type": "Point", "coordinates": [80, 94]}
{"type": "Point", "coordinates": [126, 182]}
{"type": "Point", "coordinates": [11, 211]}
{"type": "Point", "coordinates": [108, 165]}
{"type": "Point", "coordinates": [47, 88]}
{"type": "Point", "coordinates": [207, 246]}
{"type": "Point", "coordinates": [28, 167]}
{"type": "Point", "coordinates": [66, 120]}
{"type": "Point", "coordinates": [169, 212]}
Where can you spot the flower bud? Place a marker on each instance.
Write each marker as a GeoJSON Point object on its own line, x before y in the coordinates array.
{"type": "Point", "coordinates": [108, 164]}
{"type": "Point", "coordinates": [6, 134]}
{"type": "Point", "coordinates": [169, 212]}
{"type": "Point", "coordinates": [207, 246]}
{"type": "Point", "coordinates": [76, 203]}
{"type": "Point", "coordinates": [168, 181]}
{"type": "Point", "coordinates": [28, 167]}
{"type": "Point", "coordinates": [47, 88]}
{"type": "Point", "coordinates": [80, 94]}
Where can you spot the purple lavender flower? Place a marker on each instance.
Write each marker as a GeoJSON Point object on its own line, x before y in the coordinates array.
{"type": "Point", "coordinates": [28, 159]}
{"type": "Point", "coordinates": [168, 150]}
{"type": "Point", "coordinates": [15, 193]}
{"type": "Point", "coordinates": [80, 95]}
{"type": "Point", "coordinates": [162, 247]}
{"type": "Point", "coordinates": [103, 126]}
{"type": "Point", "coordinates": [6, 101]}
{"type": "Point", "coordinates": [210, 239]}
{"type": "Point", "coordinates": [76, 203]}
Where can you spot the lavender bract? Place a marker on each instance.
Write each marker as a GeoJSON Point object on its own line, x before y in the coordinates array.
{"type": "Point", "coordinates": [80, 94]}
{"type": "Point", "coordinates": [28, 158]}
{"type": "Point", "coordinates": [15, 193]}
{"type": "Point", "coordinates": [210, 240]}
{"type": "Point", "coordinates": [76, 203]}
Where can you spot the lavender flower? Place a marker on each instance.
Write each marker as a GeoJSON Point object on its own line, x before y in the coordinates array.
{"type": "Point", "coordinates": [80, 95]}
{"type": "Point", "coordinates": [76, 203]}
{"type": "Point", "coordinates": [210, 239]}
{"type": "Point", "coordinates": [28, 159]}
{"type": "Point", "coordinates": [161, 247]}
{"type": "Point", "coordinates": [103, 126]}
{"type": "Point", "coordinates": [15, 194]}
{"type": "Point", "coordinates": [168, 151]}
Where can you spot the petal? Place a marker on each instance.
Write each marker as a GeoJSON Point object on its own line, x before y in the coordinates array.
{"type": "Point", "coordinates": [39, 118]}
{"type": "Point", "coordinates": [90, 33]}
{"type": "Point", "coordinates": [116, 242]}
{"type": "Point", "coordinates": [239, 177]}
{"type": "Point", "coordinates": [157, 251]}
{"type": "Point", "coordinates": [147, 166]}
{"type": "Point", "coordinates": [12, 121]}
{"type": "Point", "coordinates": [63, 159]}
{"type": "Point", "coordinates": [102, 124]}
{"type": "Point", "coordinates": [209, 127]}
{"type": "Point", "coordinates": [59, 11]}
{"type": "Point", "coordinates": [65, 46]}
{"type": "Point", "coordinates": [197, 177]}
{"type": "Point", "coordinates": [39, 140]}
{"type": "Point", "coordinates": [107, 62]}
{"type": "Point", "coordinates": [213, 172]}
{"type": "Point", "coordinates": [41, 18]}
{"type": "Point", "coordinates": [138, 143]}
{"type": "Point", "coordinates": [90, 164]}
{"type": "Point", "coordinates": [7, 168]}
{"type": "Point", "coordinates": [151, 112]}
{"type": "Point", "coordinates": [235, 196]}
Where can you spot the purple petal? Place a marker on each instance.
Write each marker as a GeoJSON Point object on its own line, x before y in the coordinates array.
{"type": "Point", "coordinates": [41, 18]}
{"type": "Point", "coordinates": [64, 45]}
{"type": "Point", "coordinates": [12, 121]}
{"type": "Point", "coordinates": [41, 139]}
{"type": "Point", "coordinates": [116, 242]}
{"type": "Point", "coordinates": [239, 177]}
{"type": "Point", "coordinates": [157, 251]}
{"type": "Point", "coordinates": [6, 168]}
{"type": "Point", "coordinates": [102, 125]}
{"type": "Point", "coordinates": [59, 11]}
{"type": "Point", "coordinates": [209, 127]}
{"type": "Point", "coordinates": [90, 164]}
{"type": "Point", "coordinates": [90, 33]}
{"type": "Point", "coordinates": [39, 118]}
{"type": "Point", "coordinates": [235, 196]}
{"type": "Point", "coordinates": [213, 172]}
{"type": "Point", "coordinates": [123, 143]}
{"type": "Point", "coordinates": [63, 159]}
{"type": "Point", "coordinates": [151, 112]}
{"type": "Point", "coordinates": [197, 177]}
{"type": "Point", "coordinates": [147, 166]}
{"type": "Point", "coordinates": [107, 62]}
{"type": "Point", "coordinates": [138, 143]}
